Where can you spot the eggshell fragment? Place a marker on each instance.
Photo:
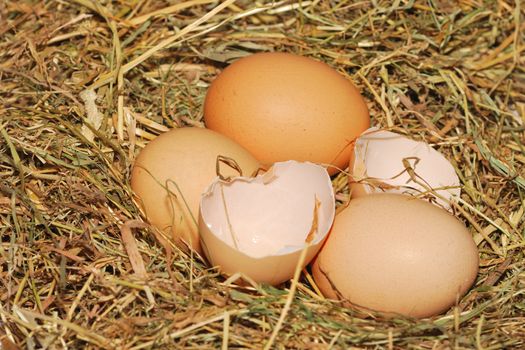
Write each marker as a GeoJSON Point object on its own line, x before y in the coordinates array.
{"type": "Point", "coordinates": [173, 170]}
{"type": "Point", "coordinates": [282, 106]}
{"type": "Point", "coordinates": [379, 164]}
{"type": "Point", "coordinates": [397, 254]}
{"type": "Point", "coordinates": [259, 226]}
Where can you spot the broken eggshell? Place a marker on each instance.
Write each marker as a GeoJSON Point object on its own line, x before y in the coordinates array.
{"type": "Point", "coordinates": [382, 161]}
{"type": "Point", "coordinates": [259, 226]}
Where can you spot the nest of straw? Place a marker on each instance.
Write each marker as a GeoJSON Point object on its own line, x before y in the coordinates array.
{"type": "Point", "coordinates": [81, 270]}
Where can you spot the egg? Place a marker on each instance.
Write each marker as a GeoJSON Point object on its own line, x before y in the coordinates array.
{"type": "Point", "coordinates": [171, 173]}
{"type": "Point", "coordinates": [258, 227]}
{"type": "Point", "coordinates": [397, 254]}
{"type": "Point", "coordinates": [282, 106]}
{"type": "Point", "coordinates": [384, 161]}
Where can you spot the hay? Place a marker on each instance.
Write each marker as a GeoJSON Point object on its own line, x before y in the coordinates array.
{"type": "Point", "coordinates": [79, 271]}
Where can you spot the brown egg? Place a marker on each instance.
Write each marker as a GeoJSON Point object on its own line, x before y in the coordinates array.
{"type": "Point", "coordinates": [281, 106]}
{"type": "Point", "coordinates": [397, 254]}
{"type": "Point", "coordinates": [172, 172]}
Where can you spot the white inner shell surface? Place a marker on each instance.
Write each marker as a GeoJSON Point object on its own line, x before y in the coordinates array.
{"type": "Point", "coordinates": [271, 214]}
{"type": "Point", "coordinates": [379, 155]}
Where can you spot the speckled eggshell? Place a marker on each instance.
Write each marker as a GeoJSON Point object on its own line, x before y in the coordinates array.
{"type": "Point", "coordinates": [173, 170]}
{"type": "Point", "coordinates": [282, 106]}
{"type": "Point", "coordinates": [397, 254]}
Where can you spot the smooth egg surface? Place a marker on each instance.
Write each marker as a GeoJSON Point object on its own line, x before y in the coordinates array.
{"type": "Point", "coordinates": [281, 106]}
{"type": "Point", "coordinates": [397, 254]}
{"type": "Point", "coordinates": [173, 170]}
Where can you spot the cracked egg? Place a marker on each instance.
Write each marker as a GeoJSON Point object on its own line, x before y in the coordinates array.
{"type": "Point", "coordinates": [259, 226]}
{"type": "Point", "coordinates": [384, 161]}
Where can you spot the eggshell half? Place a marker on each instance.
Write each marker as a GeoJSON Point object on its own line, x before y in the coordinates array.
{"type": "Point", "coordinates": [378, 166]}
{"type": "Point", "coordinates": [397, 254]}
{"type": "Point", "coordinates": [282, 106]}
{"type": "Point", "coordinates": [171, 173]}
{"type": "Point", "coordinates": [259, 226]}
